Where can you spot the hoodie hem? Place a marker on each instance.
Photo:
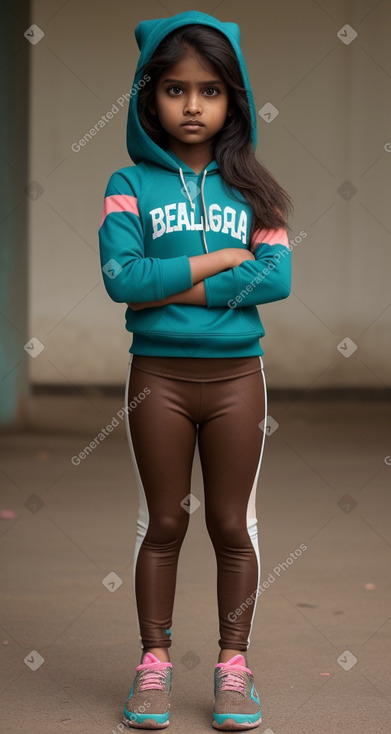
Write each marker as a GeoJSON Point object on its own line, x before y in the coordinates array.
{"type": "Point", "coordinates": [159, 347]}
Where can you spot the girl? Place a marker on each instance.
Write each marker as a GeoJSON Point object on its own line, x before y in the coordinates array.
{"type": "Point", "coordinates": [192, 238]}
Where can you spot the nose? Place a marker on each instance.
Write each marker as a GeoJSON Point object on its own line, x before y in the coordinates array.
{"type": "Point", "coordinates": [192, 104]}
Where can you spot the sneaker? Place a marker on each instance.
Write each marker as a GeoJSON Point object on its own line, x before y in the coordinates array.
{"type": "Point", "coordinates": [147, 706]}
{"type": "Point", "coordinates": [236, 704]}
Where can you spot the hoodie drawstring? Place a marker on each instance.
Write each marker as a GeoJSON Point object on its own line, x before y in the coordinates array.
{"type": "Point", "coordinates": [205, 223]}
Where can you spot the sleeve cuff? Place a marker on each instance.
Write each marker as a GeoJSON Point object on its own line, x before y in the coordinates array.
{"type": "Point", "coordinates": [221, 288]}
{"type": "Point", "coordinates": [175, 275]}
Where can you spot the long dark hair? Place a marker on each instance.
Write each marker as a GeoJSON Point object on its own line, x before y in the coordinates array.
{"type": "Point", "coordinates": [233, 148]}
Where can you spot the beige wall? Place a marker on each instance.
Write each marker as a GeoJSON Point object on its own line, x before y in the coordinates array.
{"type": "Point", "coordinates": [334, 107]}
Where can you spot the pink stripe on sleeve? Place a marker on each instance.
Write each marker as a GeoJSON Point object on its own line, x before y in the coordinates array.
{"type": "Point", "coordinates": [270, 236]}
{"type": "Point", "coordinates": [118, 203]}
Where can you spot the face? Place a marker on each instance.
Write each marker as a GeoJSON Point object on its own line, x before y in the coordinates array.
{"type": "Point", "coordinates": [191, 102]}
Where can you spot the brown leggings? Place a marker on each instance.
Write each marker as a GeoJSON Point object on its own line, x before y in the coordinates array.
{"type": "Point", "coordinates": [163, 415]}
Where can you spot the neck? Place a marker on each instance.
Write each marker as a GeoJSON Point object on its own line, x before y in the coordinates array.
{"type": "Point", "coordinates": [197, 157]}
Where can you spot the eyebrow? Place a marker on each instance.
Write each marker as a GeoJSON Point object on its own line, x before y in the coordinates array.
{"type": "Point", "coordinates": [180, 81]}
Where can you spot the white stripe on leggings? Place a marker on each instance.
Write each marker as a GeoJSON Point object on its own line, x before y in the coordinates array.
{"type": "Point", "coordinates": [143, 514]}
{"type": "Point", "coordinates": [252, 524]}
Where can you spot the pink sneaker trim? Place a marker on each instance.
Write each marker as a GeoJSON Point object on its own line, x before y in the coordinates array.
{"type": "Point", "coordinates": [150, 672]}
{"type": "Point", "coordinates": [237, 662]}
{"type": "Point", "coordinates": [151, 659]}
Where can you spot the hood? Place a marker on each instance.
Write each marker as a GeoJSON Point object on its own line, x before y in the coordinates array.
{"type": "Point", "coordinates": [149, 33]}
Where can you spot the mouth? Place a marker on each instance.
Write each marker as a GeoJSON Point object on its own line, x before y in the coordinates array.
{"type": "Point", "coordinates": [192, 123]}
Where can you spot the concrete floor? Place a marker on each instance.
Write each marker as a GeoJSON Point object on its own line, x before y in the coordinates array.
{"type": "Point", "coordinates": [324, 483]}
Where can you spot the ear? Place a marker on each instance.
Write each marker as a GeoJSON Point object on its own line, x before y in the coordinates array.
{"type": "Point", "coordinates": [152, 108]}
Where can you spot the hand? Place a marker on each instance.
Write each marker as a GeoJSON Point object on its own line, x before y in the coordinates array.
{"type": "Point", "coordinates": [237, 255]}
{"type": "Point", "coordinates": [151, 304]}
{"type": "Point", "coordinates": [145, 304]}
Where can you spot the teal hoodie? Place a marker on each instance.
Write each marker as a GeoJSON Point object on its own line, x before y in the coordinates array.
{"type": "Point", "coordinates": [159, 212]}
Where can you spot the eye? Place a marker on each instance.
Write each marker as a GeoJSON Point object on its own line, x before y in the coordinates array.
{"type": "Point", "coordinates": [212, 89]}
{"type": "Point", "coordinates": [174, 87]}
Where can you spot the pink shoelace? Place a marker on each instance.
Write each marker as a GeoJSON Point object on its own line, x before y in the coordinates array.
{"type": "Point", "coordinates": [233, 680]}
{"type": "Point", "coordinates": [152, 679]}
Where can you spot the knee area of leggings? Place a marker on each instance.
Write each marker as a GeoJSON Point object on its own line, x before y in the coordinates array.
{"type": "Point", "coordinates": [227, 527]}
{"type": "Point", "coordinates": [167, 528]}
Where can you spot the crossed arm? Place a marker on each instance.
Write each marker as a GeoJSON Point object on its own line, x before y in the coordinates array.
{"type": "Point", "coordinates": [202, 266]}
